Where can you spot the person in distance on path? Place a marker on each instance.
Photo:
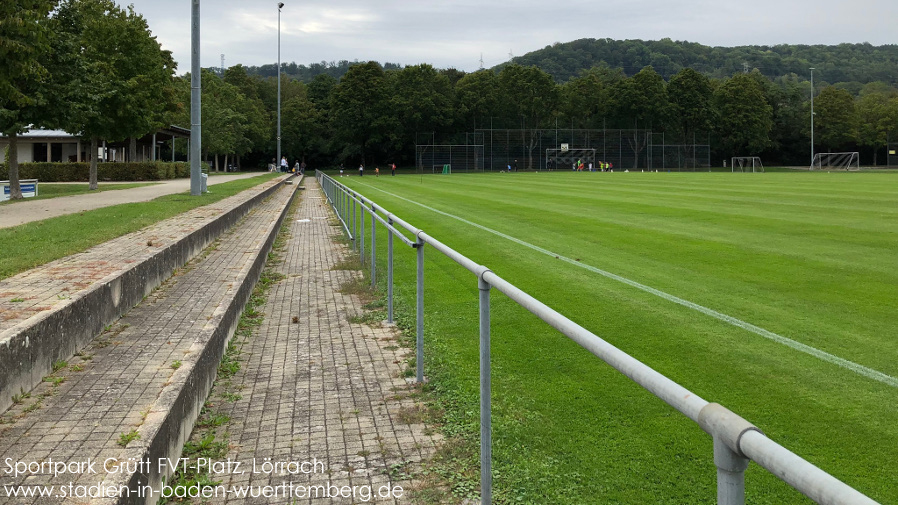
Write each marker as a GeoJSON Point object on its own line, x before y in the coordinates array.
{"type": "Point", "coordinates": [376, 171]}
{"type": "Point", "coordinates": [361, 170]}
{"type": "Point", "coordinates": [393, 169]}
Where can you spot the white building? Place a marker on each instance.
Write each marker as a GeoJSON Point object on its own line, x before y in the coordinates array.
{"type": "Point", "coordinates": [39, 145]}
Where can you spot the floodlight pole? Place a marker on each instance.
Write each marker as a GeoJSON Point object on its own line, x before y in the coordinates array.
{"type": "Point", "coordinates": [196, 137]}
{"type": "Point", "coordinates": [278, 159]}
{"type": "Point", "coordinates": [812, 116]}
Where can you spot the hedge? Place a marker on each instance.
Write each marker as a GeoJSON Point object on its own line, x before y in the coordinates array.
{"type": "Point", "coordinates": [79, 172]}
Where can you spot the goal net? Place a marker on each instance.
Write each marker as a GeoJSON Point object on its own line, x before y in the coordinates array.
{"type": "Point", "coordinates": [836, 161]}
{"type": "Point", "coordinates": [747, 164]}
{"type": "Point", "coordinates": [442, 169]}
{"type": "Point", "coordinates": [566, 159]}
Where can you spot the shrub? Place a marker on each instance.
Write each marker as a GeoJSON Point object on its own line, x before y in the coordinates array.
{"type": "Point", "coordinates": [80, 172]}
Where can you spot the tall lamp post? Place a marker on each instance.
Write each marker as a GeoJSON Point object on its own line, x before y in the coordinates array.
{"type": "Point", "coordinates": [278, 160]}
{"type": "Point", "coordinates": [812, 116]}
{"type": "Point", "coordinates": [196, 137]}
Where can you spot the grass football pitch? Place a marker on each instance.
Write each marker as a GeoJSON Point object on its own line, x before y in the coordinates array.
{"type": "Point", "coordinates": [811, 258]}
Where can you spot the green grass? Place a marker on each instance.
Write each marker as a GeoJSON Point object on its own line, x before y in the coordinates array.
{"type": "Point", "coordinates": [50, 190]}
{"type": "Point", "coordinates": [809, 256]}
{"type": "Point", "coordinates": [125, 438]}
{"type": "Point", "coordinates": [33, 244]}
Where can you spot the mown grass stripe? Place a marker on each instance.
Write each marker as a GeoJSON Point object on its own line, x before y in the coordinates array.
{"type": "Point", "coordinates": [798, 346]}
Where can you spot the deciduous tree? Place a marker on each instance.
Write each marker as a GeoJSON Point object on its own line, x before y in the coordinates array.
{"type": "Point", "coordinates": [744, 118]}
{"type": "Point", "coordinates": [530, 94]}
{"type": "Point", "coordinates": [118, 82]}
{"type": "Point", "coordinates": [24, 47]}
{"type": "Point", "coordinates": [835, 120]}
{"type": "Point", "coordinates": [359, 111]}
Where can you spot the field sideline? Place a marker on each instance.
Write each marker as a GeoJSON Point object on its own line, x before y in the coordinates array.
{"type": "Point", "coordinates": [808, 256]}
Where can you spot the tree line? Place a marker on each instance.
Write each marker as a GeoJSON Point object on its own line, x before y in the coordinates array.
{"type": "Point", "coordinates": [848, 64]}
{"type": "Point", "coordinates": [375, 115]}
{"type": "Point", "coordinates": [91, 67]}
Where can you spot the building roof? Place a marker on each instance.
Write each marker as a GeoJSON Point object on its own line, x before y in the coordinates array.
{"type": "Point", "coordinates": [41, 133]}
{"type": "Point", "coordinates": [38, 133]}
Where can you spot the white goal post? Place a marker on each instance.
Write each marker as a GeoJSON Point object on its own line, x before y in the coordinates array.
{"type": "Point", "coordinates": [747, 164]}
{"type": "Point", "coordinates": [836, 161]}
{"type": "Point", "coordinates": [564, 158]}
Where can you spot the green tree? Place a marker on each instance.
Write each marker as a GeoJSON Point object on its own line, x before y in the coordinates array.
{"type": "Point", "coordinates": [877, 111]}
{"type": "Point", "coordinates": [238, 76]}
{"type": "Point", "coordinates": [24, 46]}
{"type": "Point", "coordinates": [788, 136]}
{"type": "Point", "coordinates": [476, 98]}
{"type": "Point", "coordinates": [258, 127]}
{"type": "Point", "coordinates": [689, 93]}
{"type": "Point", "coordinates": [530, 94]}
{"type": "Point", "coordinates": [640, 101]}
{"type": "Point", "coordinates": [744, 118]}
{"type": "Point", "coordinates": [119, 82]}
{"type": "Point", "coordinates": [835, 119]}
{"type": "Point", "coordinates": [359, 111]}
{"type": "Point", "coordinates": [320, 90]}
{"type": "Point", "coordinates": [421, 99]}
{"type": "Point", "coordinates": [303, 129]}
{"type": "Point", "coordinates": [585, 99]}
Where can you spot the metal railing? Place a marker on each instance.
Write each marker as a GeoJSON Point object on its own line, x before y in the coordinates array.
{"type": "Point", "coordinates": [736, 441]}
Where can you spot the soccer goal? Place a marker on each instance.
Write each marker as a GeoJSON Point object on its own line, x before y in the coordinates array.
{"type": "Point", "coordinates": [566, 158]}
{"type": "Point", "coordinates": [747, 164]}
{"type": "Point", "coordinates": [443, 169]}
{"type": "Point", "coordinates": [836, 161]}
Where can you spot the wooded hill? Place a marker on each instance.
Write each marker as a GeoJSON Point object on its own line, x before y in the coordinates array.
{"type": "Point", "coordinates": [862, 63]}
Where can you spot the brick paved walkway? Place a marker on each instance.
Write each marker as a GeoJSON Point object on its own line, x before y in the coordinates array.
{"type": "Point", "coordinates": [322, 388]}
{"type": "Point", "coordinates": [83, 409]}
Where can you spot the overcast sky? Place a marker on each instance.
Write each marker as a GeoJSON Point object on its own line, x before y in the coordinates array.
{"type": "Point", "coordinates": [454, 33]}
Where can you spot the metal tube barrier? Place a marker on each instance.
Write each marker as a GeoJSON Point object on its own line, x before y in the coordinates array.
{"type": "Point", "coordinates": [736, 441]}
{"type": "Point", "coordinates": [678, 397]}
{"type": "Point", "coordinates": [335, 200]}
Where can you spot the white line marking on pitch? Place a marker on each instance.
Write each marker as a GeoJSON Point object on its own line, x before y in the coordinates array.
{"type": "Point", "coordinates": [798, 346]}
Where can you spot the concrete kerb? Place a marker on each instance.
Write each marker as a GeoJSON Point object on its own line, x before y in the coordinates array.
{"type": "Point", "coordinates": [29, 349]}
{"type": "Point", "coordinates": [171, 418]}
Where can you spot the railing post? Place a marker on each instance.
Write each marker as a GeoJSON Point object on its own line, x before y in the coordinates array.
{"type": "Point", "coordinates": [419, 315]}
{"type": "Point", "coordinates": [486, 439]}
{"type": "Point", "coordinates": [389, 273]}
{"type": "Point", "coordinates": [373, 248]}
{"type": "Point", "coordinates": [730, 474]}
{"type": "Point", "coordinates": [362, 234]}
{"type": "Point", "coordinates": [727, 429]}
{"type": "Point", "coordinates": [355, 241]}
